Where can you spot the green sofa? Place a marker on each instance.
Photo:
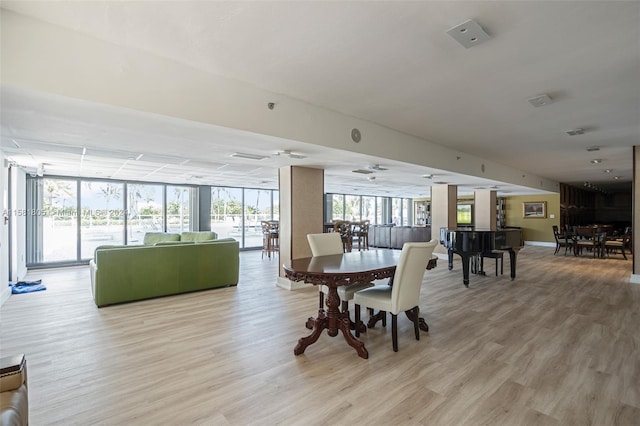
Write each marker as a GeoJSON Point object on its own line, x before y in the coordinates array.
{"type": "Point", "coordinates": [128, 273]}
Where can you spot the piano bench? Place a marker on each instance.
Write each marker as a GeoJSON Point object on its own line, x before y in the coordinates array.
{"type": "Point", "coordinates": [497, 255]}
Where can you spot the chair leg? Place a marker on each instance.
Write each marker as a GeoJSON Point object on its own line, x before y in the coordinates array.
{"type": "Point", "coordinates": [416, 326]}
{"type": "Point", "coordinates": [394, 332]}
{"type": "Point", "coordinates": [357, 309]}
{"type": "Point", "coordinates": [384, 318]}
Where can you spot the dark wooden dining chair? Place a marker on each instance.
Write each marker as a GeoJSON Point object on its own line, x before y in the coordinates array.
{"type": "Point", "coordinates": [345, 230]}
{"type": "Point", "coordinates": [361, 234]}
{"type": "Point", "coordinates": [563, 240]}
{"type": "Point", "coordinates": [592, 239]}
{"type": "Point", "coordinates": [618, 244]}
{"type": "Point", "coordinates": [404, 294]}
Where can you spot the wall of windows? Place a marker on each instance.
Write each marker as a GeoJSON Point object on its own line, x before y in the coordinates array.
{"type": "Point", "coordinates": [74, 216]}
{"type": "Point", "coordinates": [238, 212]}
{"type": "Point", "coordinates": [77, 215]}
{"type": "Point", "coordinates": [378, 210]}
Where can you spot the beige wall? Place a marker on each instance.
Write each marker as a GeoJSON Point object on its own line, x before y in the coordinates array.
{"type": "Point", "coordinates": [534, 229]}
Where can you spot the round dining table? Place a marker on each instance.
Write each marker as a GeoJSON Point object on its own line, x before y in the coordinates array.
{"type": "Point", "coordinates": [334, 271]}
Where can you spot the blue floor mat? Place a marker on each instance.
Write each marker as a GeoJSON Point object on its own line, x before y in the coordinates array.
{"type": "Point", "coordinates": [22, 287]}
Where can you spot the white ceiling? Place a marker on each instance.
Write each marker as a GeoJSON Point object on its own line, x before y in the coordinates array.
{"type": "Point", "coordinates": [390, 63]}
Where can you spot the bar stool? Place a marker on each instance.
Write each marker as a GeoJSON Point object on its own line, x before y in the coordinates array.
{"type": "Point", "coordinates": [270, 237]}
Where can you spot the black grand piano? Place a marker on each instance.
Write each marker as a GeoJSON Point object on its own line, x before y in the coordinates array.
{"type": "Point", "coordinates": [469, 242]}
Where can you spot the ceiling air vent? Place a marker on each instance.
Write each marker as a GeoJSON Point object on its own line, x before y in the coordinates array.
{"type": "Point", "coordinates": [362, 171]}
{"type": "Point", "coordinates": [377, 167]}
{"type": "Point", "coordinates": [468, 34]}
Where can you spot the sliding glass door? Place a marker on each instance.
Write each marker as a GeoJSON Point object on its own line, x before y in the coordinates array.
{"type": "Point", "coordinates": [102, 215]}
{"type": "Point", "coordinates": [145, 207]}
{"type": "Point", "coordinates": [59, 220]}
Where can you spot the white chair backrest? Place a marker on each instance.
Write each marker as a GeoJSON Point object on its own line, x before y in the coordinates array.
{"type": "Point", "coordinates": [408, 276]}
{"type": "Point", "coordinates": [325, 244]}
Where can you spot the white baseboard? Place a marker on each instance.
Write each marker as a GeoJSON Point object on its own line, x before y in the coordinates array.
{"type": "Point", "coordinates": [539, 243]}
{"type": "Point", "coordinates": [5, 293]}
{"type": "Point", "coordinates": [635, 279]}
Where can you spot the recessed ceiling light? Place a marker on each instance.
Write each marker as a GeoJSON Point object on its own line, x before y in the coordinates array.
{"type": "Point", "coordinates": [608, 170]}
{"type": "Point", "coordinates": [616, 177]}
{"type": "Point", "coordinates": [575, 132]}
{"type": "Point", "coordinates": [596, 161]}
{"type": "Point", "coordinates": [248, 156]}
{"type": "Point", "coordinates": [540, 100]}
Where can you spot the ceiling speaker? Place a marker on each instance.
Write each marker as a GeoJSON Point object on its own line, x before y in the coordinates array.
{"type": "Point", "coordinates": [355, 135]}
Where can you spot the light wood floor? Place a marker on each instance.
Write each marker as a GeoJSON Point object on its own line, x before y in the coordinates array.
{"type": "Point", "coordinates": [560, 345]}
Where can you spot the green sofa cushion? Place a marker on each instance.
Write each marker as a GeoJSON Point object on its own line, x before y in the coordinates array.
{"type": "Point", "coordinates": [151, 238]}
{"type": "Point", "coordinates": [198, 236]}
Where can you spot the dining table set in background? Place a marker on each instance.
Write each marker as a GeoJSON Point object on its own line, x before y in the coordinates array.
{"type": "Point", "coordinates": [597, 241]}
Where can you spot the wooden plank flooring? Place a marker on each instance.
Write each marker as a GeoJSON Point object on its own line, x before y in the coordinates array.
{"type": "Point", "coordinates": [560, 345]}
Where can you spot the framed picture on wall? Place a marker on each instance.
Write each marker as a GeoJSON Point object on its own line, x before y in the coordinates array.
{"type": "Point", "coordinates": [534, 210]}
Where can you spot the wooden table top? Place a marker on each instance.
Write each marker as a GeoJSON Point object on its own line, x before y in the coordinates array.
{"type": "Point", "coordinates": [380, 263]}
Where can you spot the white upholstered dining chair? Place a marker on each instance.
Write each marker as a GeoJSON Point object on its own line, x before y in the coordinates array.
{"type": "Point", "coordinates": [326, 244]}
{"type": "Point", "coordinates": [404, 294]}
